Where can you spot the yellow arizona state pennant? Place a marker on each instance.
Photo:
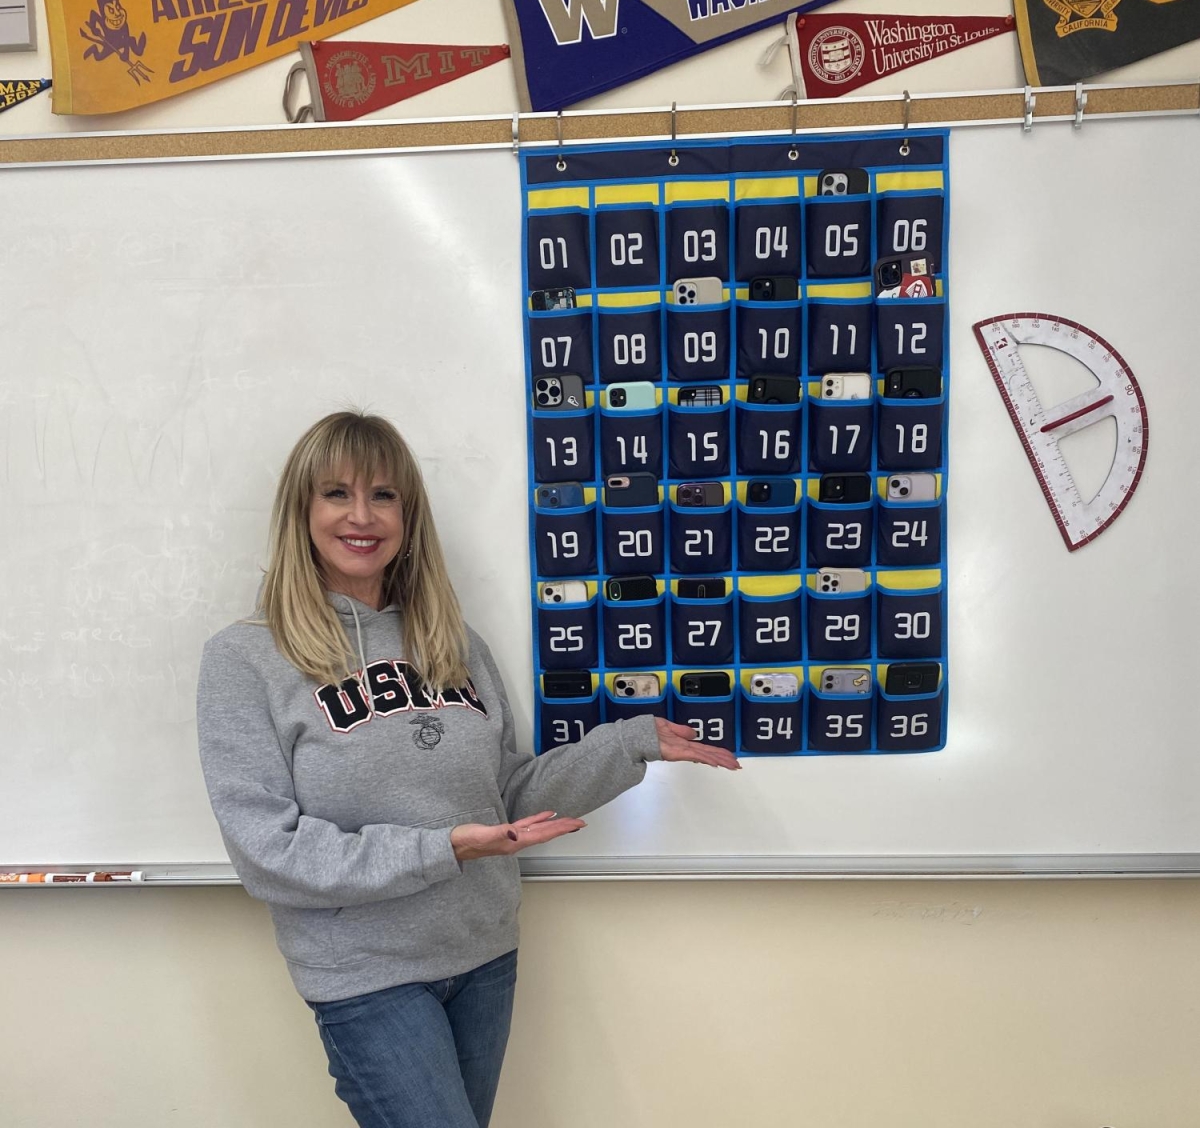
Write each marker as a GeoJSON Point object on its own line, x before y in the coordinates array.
{"type": "Point", "coordinates": [108, 57]}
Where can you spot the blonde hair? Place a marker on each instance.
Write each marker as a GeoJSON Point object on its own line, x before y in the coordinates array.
{"type": "Point", "coordinates": [293, 602]}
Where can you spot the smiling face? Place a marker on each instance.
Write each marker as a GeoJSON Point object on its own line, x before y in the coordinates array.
{"type": "Point", "coordinates": [114, 14]}
{"type": "Point", "coordinates": [356, 526]}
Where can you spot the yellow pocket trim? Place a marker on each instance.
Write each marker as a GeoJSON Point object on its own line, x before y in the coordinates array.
{"type": "Point", "coordinates": [633, 298]}
{"type": "Point", "coordinates": [910, 581]}
{"type": "Point", "coordinates": [541, 198]}
{"type": "Point", "coordinates": [908, 181]}
{"type": "Point", "coordinates": [697, 190]}
{"type": "Point", "coordinates": [769, 585]}
{"type": "Point", "coordinates": [767, 188]}
{"type": "Point", "coordinates": [627, 194]}
{"type": "Point", "coordinates": [838, 290]}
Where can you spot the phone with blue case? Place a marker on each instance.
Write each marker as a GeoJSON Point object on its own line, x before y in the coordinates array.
{"type": "Point", "coordinates": [771, 493]}
{"type": "Point", "coordinates": [562, 495]}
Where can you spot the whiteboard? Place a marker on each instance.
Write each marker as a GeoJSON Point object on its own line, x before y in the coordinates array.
{"type": "Point", "coordinates": [177, 326]}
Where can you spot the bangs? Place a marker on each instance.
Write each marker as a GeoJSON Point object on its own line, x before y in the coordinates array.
{"type": "Point", "coordinates": [356, 447]}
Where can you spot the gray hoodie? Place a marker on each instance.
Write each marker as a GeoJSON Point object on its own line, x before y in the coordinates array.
{"type": "Point", "coordinates": [336, 802]}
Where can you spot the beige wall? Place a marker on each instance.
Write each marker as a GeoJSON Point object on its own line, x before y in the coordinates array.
{"type": "Point", "coordinates": [826, 1004]}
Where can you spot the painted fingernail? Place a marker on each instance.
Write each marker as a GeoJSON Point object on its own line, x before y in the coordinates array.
{"type": "Point", "coordinates": [513, 835]}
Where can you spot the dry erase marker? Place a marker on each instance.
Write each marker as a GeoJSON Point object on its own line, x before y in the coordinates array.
{"type": "Point", "coordinates": [93, 878]}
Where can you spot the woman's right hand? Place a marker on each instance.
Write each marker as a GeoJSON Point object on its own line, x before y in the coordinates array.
{"type": "Point", "coordinates": [476, 840]}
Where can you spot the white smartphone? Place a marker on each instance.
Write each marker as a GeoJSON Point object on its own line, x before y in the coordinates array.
{"type": "Point", "coordinates": [846, 386]}
{"type": "Point", "coordinates": [912, 487]}
{"type": "Point", "coordinates": [566, 591]}
{"type": "Point", "coordinates": [841, 579]}
{"type": "Point", "coordinates": [699, 291]}
{"type": "Point", "coordinates": [636, 685]}
{"type": "Point", "coordinates": [846, 679]}
{"type": "Point", "coordinates": [774, 685]}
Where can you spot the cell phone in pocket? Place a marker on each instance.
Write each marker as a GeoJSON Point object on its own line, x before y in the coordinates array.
{"type": "Point", "coordinates": [846, 386]}
{"type": "Point", "coordinates": [636, 685]}
{"type": "Point", "coordinates": [912, 487]}
{"type": "Point", "coordinates": [702, 587]}
{"type": "Point", "coordinates": [560, 297]}
{"type": "Point", "coordinates": [906, 678]}
{"type": "Point", "coordinates": [698, 291]}
{"type": "Point", "coordinates": [567, 683]}
{"type": "Point", "coordinates": [638, 395]}
{"type": "Point", "coordinates": [846, 679]}
{"type": "Point", "coordinates": [559, 393]}
{"type": "Point", "coordinates": [774, 288]}
{"type": "Point", "coordinates": [705, 683]}
{"type": "Point", "coordinates": [904, 276]}
{"type": "Point", "coordinates": [843, 182]}
{"type": "Point", "coordinates": [627, 490]}
{"type": "Point", "coordinates": [912, 383]}
{"type": "Point", "coordinates": [844, 489]}
{"type": "Point", "coordinates": [563, 592]}
{"type": "Point", "coordinates": [701, 395]}
{"type": "Point", "coordinates": [774, 685]}
{"type": "Point", "coordinates": [830, 580]}
{"type": "Point", "coordinates": [773, 389]}
{"type": "Point", "coordinates": [623, 589]}
{"type": "Point", "coordinates": [561, 495]}
{"type": "Point", "coordinates": [700, 493]}
{"type": "Point", "coordinates": [773, 493]}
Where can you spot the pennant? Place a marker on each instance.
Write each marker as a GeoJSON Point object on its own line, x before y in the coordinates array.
{"type": "Point", "coordinates": [1066, 41]}
{"type": "Point", "coordinates": [832, 55]}
{"type": "Point", "coordinates": [568, 50]}
{"type": "Point", "coordinates": [106, 57]}
{"type": "Point", "coordinates": [16, 90]}
{"type": "Point", "coordinates": [348, 79]}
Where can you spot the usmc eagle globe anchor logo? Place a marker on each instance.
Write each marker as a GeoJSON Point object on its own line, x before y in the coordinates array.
{"type": "Point", "coordinates": [429, 735]}
{"type": "Point", "coordinates": [836, 54]}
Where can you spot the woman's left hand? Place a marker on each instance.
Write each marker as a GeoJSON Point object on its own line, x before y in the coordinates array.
{"type": "Point", "coordinates": [679, 742]}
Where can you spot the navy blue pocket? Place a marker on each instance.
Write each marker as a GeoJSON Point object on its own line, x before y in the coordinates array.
{"type": "Point", "coordinates": [767, 240]}
{"type": "Point", "coordinates": [839, 626]}
{"type": "Point", "coordinates": [701, 631]}
{"type": "Point", "coordinates": [624, 708]}
{"type": "Point", "coordinates": [911, 723]}
{"type": "Point", "coordinates": [563, 446]}
{"type": "Point", "coordinates": [768, 338]}
{"type": "Point", "coordinates": [840, 434]}
{"type": "Point", "coordinates": [631, 442]}
{"type": "Point", "coordinates": [771, 725]}
{"type": "Point", "coordinates": [910, 332]}
{"type": "Point", "coordinates": [838, 236]}
{"type": "Point", "coordinates": [633, 539]}
{"type": "Point", "coordinates": [635, 635]}
{"type": "Point", "coordinates": [698, 342]}
{"type": "Point", "coordinates": [839, 536]}
{"type": "Point", "coordinates": [630, 343]}
{"type": "Point", "coordinates": [908, 534]}
{"type": "Point", "coordinates": [769, 628]}
{"type": "Point", "coordinates": [561, 342]}
{"type": "Point", "coordinates": [768, 438]}
{"type": "Point", "coordinates": [910, 433]}
{"type": "Point", "coordinates": [839, 336]}
{"type": "Point", "coordinates": [697, 241]}
{"type": "Point", "coordinates": [911, 224]}
{"type": "Point", "coordinates": [565, 720]}
{"type": "Point", "coordinates": [567, 636]}
{"type": "Point", "coordinates": [699, 441]}
{"type": "Point", "coordinates": [626, 247]}
{"type": "Point", "coordinates": [712, 718]}
{"type": "Point", "coordinates": [909, 623]}
{"type": "Point", "coordinates": [768, 538]}
{"type": "Point", "coordinates": [565, 541]}
{"type": "Point", "coordinates": [839, 722]}
{"type": "Point", "coordinates": [701, 539]}
{"type": "Point", "coordinates": [557, 250]}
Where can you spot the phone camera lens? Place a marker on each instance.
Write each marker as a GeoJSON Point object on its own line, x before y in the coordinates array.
{"type": "Point", "coordinates": [619, 398]}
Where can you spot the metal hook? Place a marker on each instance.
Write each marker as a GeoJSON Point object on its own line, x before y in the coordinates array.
{"type": "Point", "coordinates": [1030, 102]}
{"type": "Point", "coordinates": [673, 159]}
{"type": "Point", "coordinates": [300, 113]}
{"type": "Point", "coordinates": [905, 147]}
{"type": "Point", "coordinates": [1080, 103]}
{"type": "Point", "coordinates": [560, 164]}
{"type": "Point", "coordinates": [516, 134]}
{"type": "Point", "coordinates": [793, 152]}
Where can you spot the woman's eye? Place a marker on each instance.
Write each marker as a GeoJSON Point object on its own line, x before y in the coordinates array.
{"type": "Point", "coordinates": [385, 495]}
{"type": "Point", "coordinates": [334, 493]}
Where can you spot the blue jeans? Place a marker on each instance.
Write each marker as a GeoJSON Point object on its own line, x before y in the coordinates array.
{"type": "Point", "coordinates": [422, 1055]}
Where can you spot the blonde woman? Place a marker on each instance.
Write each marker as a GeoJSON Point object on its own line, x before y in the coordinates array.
{"type": "Point", "coordinates": [360, 758]}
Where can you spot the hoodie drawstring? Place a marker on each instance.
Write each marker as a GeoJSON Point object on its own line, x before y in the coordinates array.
{"type": "Point", "coordinates": [362, 657]}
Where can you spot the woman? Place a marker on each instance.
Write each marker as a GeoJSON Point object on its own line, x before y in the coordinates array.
{"type": "Point", "coordinates": [360, 757]}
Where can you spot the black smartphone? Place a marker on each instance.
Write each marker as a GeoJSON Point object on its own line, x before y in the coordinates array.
{"type": "Point", "coordinates": [844, 488]}
{"type": "Point", "coordinates": [774, 288]}
{"type": "Point", "coordinates": [912, 383]}
{"type": "Point", "coordinates": [705, 683]}
{"type": "Point", "coordinates": [771, 492]}
{"type": "Point", "coordinates": [905, 276]}
{"type": "Point", "coordinates": [622, 589]}
{"type": "Point", "coordinates": [563, 495]}
{"type": "Point", "coordinates": [559, 393]}
{"type": "Point", "coordinates": [911, 677]}
{"type": "Point", "coordinates": [701, 395]}
{"type": "Point", "coordinates": [706, 587]}
{"type": "Point", "coordinates": [773, 389]}
{"type": "Point", "coordinates": [567, 683]}
{"type": "Point", "coordinates": [700, 493]}
{"type": "Point", "coordinates": [560, 297]}
{"type": "Point", "coordinates": [626, 490]}
{"type": "Point", "coordinates": [843, 181]}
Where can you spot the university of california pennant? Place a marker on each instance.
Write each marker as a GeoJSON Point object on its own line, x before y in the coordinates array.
{"type": "Point", "coordinates": [107, 57]}
{"type": "Point", "coordinates": [568, 50]}
{"type": "Point", "coordinates": [1065, 41]}
{"type": "Point", "coordinates": [347, 79]}
{"type": "Point", "coordinates": [834, 54]}
{"type": "Point", "coordinates": [13, 91]}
